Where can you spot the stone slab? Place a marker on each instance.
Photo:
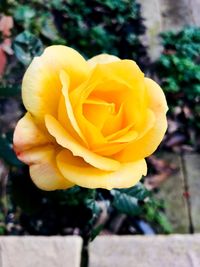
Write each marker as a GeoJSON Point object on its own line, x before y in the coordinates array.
{"type": "Point", "coordinates": [35, 251]}
{"type": "Point", "coordinates": [172, 191]}
{"type": "Point", "coordinates": [151, 13]}
{"type": "Point", "coordinates": [176, 14]}
{"type": "Point", "coordinates": [192, 164]}
{"type": "Point", "coordinates": [166, 15]}
{"type": "Point", "coordinates": [145, 251]}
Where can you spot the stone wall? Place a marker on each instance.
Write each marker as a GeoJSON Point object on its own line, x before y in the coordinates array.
{"type": "Point", "coordinates": [164, 15]}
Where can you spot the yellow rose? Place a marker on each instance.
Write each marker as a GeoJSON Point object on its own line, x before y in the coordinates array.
{"type": "Point", "coordinates": [89, 123]}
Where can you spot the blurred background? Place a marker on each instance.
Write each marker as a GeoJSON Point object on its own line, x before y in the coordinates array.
{"type": "Point", "coordinates": [163, 37]}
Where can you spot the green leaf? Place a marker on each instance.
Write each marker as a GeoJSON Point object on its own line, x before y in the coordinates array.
{"type": "Point", "coordinates": [153, 214]}
{"type": "Point", "coordinates": [93, 206]}
{"type": "Point", "coordinates": [127, 200]}
{"type": "Point", "coordinates": [138, 191]}
{"type": "Point", "coordinates": [48, 28]}
{"type": "Point", "coordinates": [163, 221]}
{"type": "Point", "coordinates": [26, 46]}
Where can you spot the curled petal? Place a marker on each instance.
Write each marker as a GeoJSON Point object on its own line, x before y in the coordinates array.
{"type": "Point", "coordinates": [149, 142]}
{"type": "Point", "coordinates": [84, 175]}
{"type": "Point", "coordinates": [43, 169]}
{"type": "Point", "coordinates": [157, 100]}
{"type": "Point", "coordinates": [65, 91]}
{"type": "Point", "coordinates": [67, 141]}
{"type": "Point", "coordinates": [119, 83]}
{"type": "Point", "coordinates": [35, 148]}
{"type": "Point", "coordinates": [101, 59]}
{"type": "Point", "coordinates": [28, 135]}
{"type": "Point", "coordinates": [41, 86]}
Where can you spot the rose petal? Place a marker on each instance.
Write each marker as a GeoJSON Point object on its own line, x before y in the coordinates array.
{"type": "Point", "coordinates": [65, 121]}
{"type": "Point", "coordinates": [109, 149]}
{"type": "Point", "coordinates": [157, 100]}
{"type": "Point", "coordinates": [41, 87]}
{"type": "Point", "coordinates": [101, 59]}
{"type": "Point", "coordinates": [34, 147]}
{"type": "Point", "coordinates": [43, 168]}
{"type": "Point", "coordinates": [146, 145]}
{"type": "Point", "coordinates": [27, 135]}
{"type": "Point", "coordinates": [119, 83]}
{"type": "Point", "coordinates": [67, 141]}
{"type": "Point", "coordinates": [65, 91]}
{"type": "Point", "coordinates": [94, 108]}
{"type": "Point", "coordinates": [146, 124]}
{"type": "Point", "coordinates": [128, 137]}
{"type": "Point", "coordinates": [84, 175]}
{"type": "Point", "coordinates": [116, 145]}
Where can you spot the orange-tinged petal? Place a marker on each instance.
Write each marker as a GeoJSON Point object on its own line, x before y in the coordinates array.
{"type": "Point", "coordinates": [43, 168]}
{"type": "Point", "coordinates": [41, 87]}
{"type": "Point", "coordinates": [84, 175]}
{"type": "Point", "coordinates": [67, 141]}
{"type": "Point", "coordinates": [101, 59]}
{"type": "Point", "coordinates": [114, 83]}
{"type": "Point", "coordinates": [114, 122]}
{"type": "Point", "coordinates": [97, 108]}
{"type": "Point", "coordinates": [92, 133]}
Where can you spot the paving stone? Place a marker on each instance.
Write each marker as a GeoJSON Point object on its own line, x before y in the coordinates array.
{"type": "Point", "coordinates": [32, 251]}
{"type": "Point", "coordinates": [171, 191]}
{"type": "Point", "coordinates": [192, 164]}
{"type": "Point", "coordinates": [145, 251]}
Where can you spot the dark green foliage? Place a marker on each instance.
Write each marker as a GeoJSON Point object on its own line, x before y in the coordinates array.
{"type": "Point", "coordinates": [154, 213]}
{"type": "Point", "coordinates": [91, 27]}
{"type": "Point", "coordinates": [26, 46]}
{"type": "Point", "coordinates": [138, 202]}
{"type": "Point", "coordinates": [179, 71]}
{"type": "Point", "coordinates": [63, 211]}
{"type": "Point", "coordinates": [128, 200]}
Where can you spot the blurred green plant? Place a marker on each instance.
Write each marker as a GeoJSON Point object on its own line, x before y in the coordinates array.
{"type": "Point", "coordinates": [179, 72]}
{"type": "Point", "coordinates": [92, 27]}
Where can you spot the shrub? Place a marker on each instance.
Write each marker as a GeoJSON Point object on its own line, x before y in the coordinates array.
{"type": "Point", "coordinates": [179, 71]}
